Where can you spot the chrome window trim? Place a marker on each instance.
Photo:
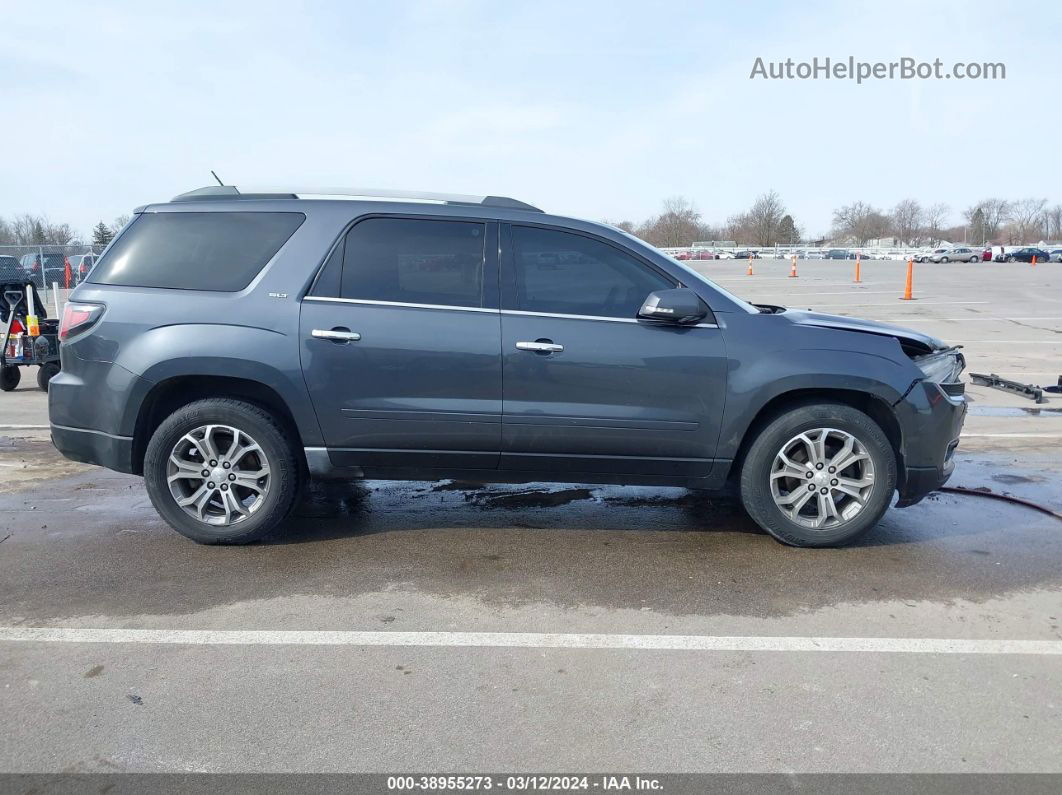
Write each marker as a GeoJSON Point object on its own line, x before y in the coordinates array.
{"type": "Point", "coordinates": [400, 304]}
{"type": "Point", "coordinates": [517, 312]}
{"type": "Point", "coordinates": [524, 313]}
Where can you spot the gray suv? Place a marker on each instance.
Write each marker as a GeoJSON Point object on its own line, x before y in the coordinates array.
{"type": "Point", "coordinates": [230, 346]}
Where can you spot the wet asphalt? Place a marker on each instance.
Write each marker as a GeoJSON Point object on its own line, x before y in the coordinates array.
{"type": "Point", "coordinates": [89, 551]}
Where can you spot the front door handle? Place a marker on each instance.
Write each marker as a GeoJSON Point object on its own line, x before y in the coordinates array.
{"type": "Point", "coordinates": [338, 334]}
{"type": "Point", "coordinates": [540, 346]}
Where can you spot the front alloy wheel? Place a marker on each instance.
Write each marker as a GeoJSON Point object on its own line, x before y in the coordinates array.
{"type": "Point", "coordinates": [822, 478]}
{"type": "Point", "coordinates": [818, 475]}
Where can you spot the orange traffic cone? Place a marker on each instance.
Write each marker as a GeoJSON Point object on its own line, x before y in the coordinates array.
{"type": "Point", "coordinates": [857, 279]}
{"type": "Point", "coordinates": [749, 271]}
{"type": "Point", "coordinates": [909, 287]}
{"type": "Point", "coordinates": [792, 269]}
{"type": "Point", "coordinates": [1034, 260]}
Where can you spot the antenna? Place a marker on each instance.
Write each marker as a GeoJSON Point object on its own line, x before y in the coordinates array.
{"type": "Point", "coordinates": [222, 184]}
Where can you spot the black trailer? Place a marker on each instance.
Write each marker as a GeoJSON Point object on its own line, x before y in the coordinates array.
{"type": "Point", "coordinates": [22, 350]}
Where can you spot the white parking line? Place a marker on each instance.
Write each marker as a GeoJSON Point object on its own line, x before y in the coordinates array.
{"type": "Point", "coordinates": [528, 640]}
{"type": "Point", "coordinates": [1011, 435]}
{"type": "Point", "coordinates": [24, 427]}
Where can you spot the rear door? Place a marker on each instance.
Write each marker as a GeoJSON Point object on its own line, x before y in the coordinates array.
{"type": "Point", "coordinates": [588, 387]}
{"type": "Point", "coordinates": [401, 344]}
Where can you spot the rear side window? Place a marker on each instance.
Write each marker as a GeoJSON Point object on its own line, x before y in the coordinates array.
{"type": "Point", "coordinates": [219, 251]}
{"type": "Point", "coordinates": [415, 261]}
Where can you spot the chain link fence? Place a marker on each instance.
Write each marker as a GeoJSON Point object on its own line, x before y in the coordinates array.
{"type": "Point", "coordinates": [48, 264]}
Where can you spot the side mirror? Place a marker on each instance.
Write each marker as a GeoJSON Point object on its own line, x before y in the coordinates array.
{"type": "Point", "coordinates": [680, 306]}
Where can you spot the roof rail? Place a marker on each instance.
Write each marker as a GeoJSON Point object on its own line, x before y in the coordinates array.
{"type": "Point", "coordinates": [213, 192]}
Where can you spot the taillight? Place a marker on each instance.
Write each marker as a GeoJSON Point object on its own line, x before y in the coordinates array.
{"type": "Point", "coordinates": [78, 317]}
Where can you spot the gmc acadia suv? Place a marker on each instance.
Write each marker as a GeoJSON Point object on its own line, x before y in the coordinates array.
{"type": "Point", "coordinates": [228, 346]}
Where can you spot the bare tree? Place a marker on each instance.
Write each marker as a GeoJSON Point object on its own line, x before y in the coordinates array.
{"type": "Point", "coordinates": [986, 218]}
{"type": "Point", "coordinates": [907, 220]}
{"type": "Point", "coordinates": [860, 221]}
{"type": "Point", "coordinates": [935, 217]}
{"type": "Point", "coordinates": [118, 223]}
{"type": "Point", "coordinates": [1053, 222]}
{"type": "Point", "coordinates": [7, 234]}
{"type": "Point", "coordinates": [764, 219]}
{"type": "Point", "coordinates": [1026, 219]}
{"type": "Point", "coordinates": [678, 225]}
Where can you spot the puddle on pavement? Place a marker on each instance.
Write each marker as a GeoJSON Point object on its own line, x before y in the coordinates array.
{"type": "Point", "coordinates": [1011, 411]}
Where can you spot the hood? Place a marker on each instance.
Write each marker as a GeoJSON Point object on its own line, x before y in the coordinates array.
{"type": "Point", "coordinates": [914, 343]}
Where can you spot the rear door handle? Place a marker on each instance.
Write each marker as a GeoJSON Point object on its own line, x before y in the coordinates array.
{"type": "Point", "coordinates": [540, 346]}
{"type": "Point", "coordinates": [338, 334]}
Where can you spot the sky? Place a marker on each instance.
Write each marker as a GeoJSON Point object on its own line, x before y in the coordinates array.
{"type": "Point", "coordinates": [594, 109]}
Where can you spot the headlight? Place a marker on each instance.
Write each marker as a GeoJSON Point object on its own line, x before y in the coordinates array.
{"type": "Point", "coordinates": [943, 367]}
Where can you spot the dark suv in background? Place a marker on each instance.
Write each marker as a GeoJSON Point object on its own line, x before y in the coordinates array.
{"type": "Point", "coordinates": [228, 346]}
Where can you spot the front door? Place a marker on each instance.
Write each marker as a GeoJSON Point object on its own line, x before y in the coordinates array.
{"type": "Point", "coordinates": [401, 345]}
{"type": "Point", "coordinates": [588, 387]}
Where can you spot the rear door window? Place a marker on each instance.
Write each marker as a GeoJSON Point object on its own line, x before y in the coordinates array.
{"type": "Point", "coordinates": [415, 261]}
{"type": "Point", "coordinates": [220, 251]}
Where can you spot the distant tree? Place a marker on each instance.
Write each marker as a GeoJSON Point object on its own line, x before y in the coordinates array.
{"type": "Point", "coordinates": [787, 231]}
{"type": "Point", "coordinates": [1026, 218]}
{"type": "Point", "coordinates": [764, 218]}
{"type": "Point", "coordinates": [118, 223]}
{"type": "Point", "coordinates": [678, 225]}
{"type": "Point", "coordinates": [986, 218]}
{"type": "Point", "coordinates": [906, 221]}
{"type": "Point", "coordinates": [7, 233]}
{"type": "Point", "coordinates": [101, 234]}
{"type": "Point", "coordinates": [1052, 222]}
{"type": "Point", "coordinates": [860, 222]}
{"type": "Point", "coordinates": [935, 217]}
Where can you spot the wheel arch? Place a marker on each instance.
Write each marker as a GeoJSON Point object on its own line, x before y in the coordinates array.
{"type": "Point", "coordinates": [170, 394]}
{"type": "Point", "coordinates": [873, 406]}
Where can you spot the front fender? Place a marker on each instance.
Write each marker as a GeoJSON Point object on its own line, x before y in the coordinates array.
{"type": "Point", "coordinates": [756, 380]}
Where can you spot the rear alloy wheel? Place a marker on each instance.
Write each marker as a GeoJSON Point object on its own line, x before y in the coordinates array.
{"type": "Point", "coordinates": [819, 475]}
{"type": "Point", "coordinates": [943, 259]}
{"type": "Point", "coordinates": [975, 259]}
{"type": "Point", "coordinates": [221, 471]}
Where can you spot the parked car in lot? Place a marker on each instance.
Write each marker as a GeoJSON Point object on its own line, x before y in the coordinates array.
{"type": "Point", "coordinates": [45, 268]}
{"type": "Point", "coordinates": [10, 269]}
{"type": "Point", "coordinates": [725, 255]}
{"type": "Point", "coordinates": [837, 253]}
{"type": "Point", "coordinates": [956, 254]}
{"type": "Point", "coordinates": [927, 256]}
{"type": "Point", "coordinates": [1025, 254]}
{"type": "Point", "coordinates": [704, 254]}
{"type": "Point", "coordinates": [1056, 255]}
{"type": "Point", "coordinates": [81, 264]}
{"type": "Point", "coordinates": [229, 347]}
{"type": "Point", "coordinates": [986, 255]}
{"type": "Point", "coordinates": [746, 254]}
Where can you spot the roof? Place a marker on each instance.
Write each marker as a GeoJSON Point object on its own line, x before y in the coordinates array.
{"type": "Point", "coordinates": [215, 192]}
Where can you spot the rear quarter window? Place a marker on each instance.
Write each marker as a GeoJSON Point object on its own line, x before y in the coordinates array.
{"type": "Point", "coordinates": [219, 251]}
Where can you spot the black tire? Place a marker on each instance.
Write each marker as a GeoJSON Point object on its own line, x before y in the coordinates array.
{"type": "Point", "coordinates": [45, 373]}
{"type": "Point", "coordinates": [756, 473]}
{"type": "Point", "coordinates": [278, 447]}
{"type": "Point", "coordinates": [975, 259]}
{"type": "Point", "coordinates": [1010, 259]}
{"type": "Point", "coordinates": [943, 259]}
{"type": "Point", "coordinates": [9, 378]}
